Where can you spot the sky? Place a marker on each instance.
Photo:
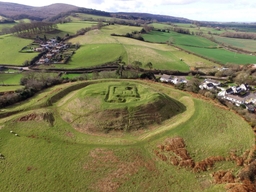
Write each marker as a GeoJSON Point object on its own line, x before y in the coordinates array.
{"type": "Point", "coordinates": [201, 10]}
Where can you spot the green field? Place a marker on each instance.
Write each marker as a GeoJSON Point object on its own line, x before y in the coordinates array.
{"type": "Point", "coordinates": [10, 47]}
{"type": "Point", "coordinates": [73, 27]}
{"type": "Point", "coordinates": [222, 55]}
{"type": "Point", "coordinates": [99, 47]}
{"type": "Point", "coordinates": [91, 55]}
{"type": "Point", "coordinates": [50, 155]}
{"type": "Point", "coordinates": [10, 88]}
{"type": "Point", "coordinates": [245, 44]}
{"type": "Point", "coordinates": [10, 78]}
{"type": "Point", "coordinates": [162, 56]}
{"type": "Point", "coordinates": [200, 46]}
{"type": "Point", "coordinates": [178, 39]}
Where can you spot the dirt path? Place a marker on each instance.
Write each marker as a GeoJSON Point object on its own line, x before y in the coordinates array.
{"type": "Point", "coordinates": [66, 98]}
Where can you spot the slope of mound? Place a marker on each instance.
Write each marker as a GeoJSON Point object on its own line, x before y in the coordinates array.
{"type": "Point", "coordinates": [118, 106]}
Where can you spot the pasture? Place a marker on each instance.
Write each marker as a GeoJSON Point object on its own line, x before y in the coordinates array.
{"type": "Point", "coordinates": [178, 39]}
{"type": "Point", "coordinates": [245, 44]}
{"type": "Point", "coordinates": [222, 55]}
{"type": "Point", "coordinates": [200, 46]}
{"type": "Point", "coordinates": [162, 56]}
{"type": "Point", "coordinates": [99, 47]}
{"type": "Point", "coordinates": [95, 54]}
{"type": "Point", "coordinates": [10, 78]}
{"type": "Point", "coordinates": [73, 27]}
{"type": "Point", "coordinates": [10, 88]}
{"type": "Point", "coordinates": [119, 161]}
{"type": "Point", "coordinates": [10, 47]}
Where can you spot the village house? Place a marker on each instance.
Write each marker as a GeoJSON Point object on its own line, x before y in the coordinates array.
{"type": "Point", "coordinates": [166, 78]}
{"type": "Point", "coordinates": [178, 80]}
{"type": "Point", "coordinates": [237, 100]}
{"type": "Point", "coordinates": [239, 95]}
{"type": "Point", "coordinates": [172, 79]}
{"type": "Point", "coordinates": [39, 49]}
{"type": "Point", "coordinates": [43, 60]}
{"type": "Point", "coordinates": [210, 84]}
{"type": "Point", "coordinates": [49, 55]}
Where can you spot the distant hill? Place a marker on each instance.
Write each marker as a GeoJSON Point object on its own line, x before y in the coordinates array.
{"type": "Point", "coordinates": [148, 16]}
{"type": "Point", "coordinates": [56, 11]}
{"type": "Point", "coordinates": [19, 11]}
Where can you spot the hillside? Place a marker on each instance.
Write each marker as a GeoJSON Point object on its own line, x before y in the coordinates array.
{"type": "Point", "coordinates": [19, 11]}
{"type": "Point", "coordinates": [147, 16]}
{"type": "Point", "coordinates": [40, 151]}
{"type": "Point", "coordinates": [55, 11]}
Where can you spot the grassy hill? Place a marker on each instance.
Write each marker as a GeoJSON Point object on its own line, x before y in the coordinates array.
{"type": "Point", "coordinates": [123, 106]}
{"type": "Point", "coordinates": [117, 161]}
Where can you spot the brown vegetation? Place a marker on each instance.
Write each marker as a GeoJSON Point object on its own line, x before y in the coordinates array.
{"type": "Point", "coordinates": [47, 117]}
{"type": "Point", "coordinates": [173, 151]}
{"type": "Point", "coordinates": [120, 170]}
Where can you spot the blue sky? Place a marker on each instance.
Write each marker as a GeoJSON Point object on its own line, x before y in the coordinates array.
{"type": "Point", "coordinates": [202, 10]}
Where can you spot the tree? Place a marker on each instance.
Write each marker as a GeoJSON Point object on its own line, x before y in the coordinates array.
{"type": "Point", "coordinates": [149, 65]}
{"type": "Point", "coordinates": [45, 39]}
{"type": "Point", "coordinates": [193, 85]}
{"type": "Point", "coordinates": [137, 64]}
{"type": "Point", "coordinates": [99, 25]}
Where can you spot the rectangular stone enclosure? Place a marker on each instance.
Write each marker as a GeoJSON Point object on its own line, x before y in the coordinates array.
{"type": "Point", "coordinates": [121, 93]}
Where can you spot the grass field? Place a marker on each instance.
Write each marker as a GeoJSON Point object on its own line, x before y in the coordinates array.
{"type": "Point", "coordinates": [10, 88]}
{"type": "Point", "coordinates": [99, 47]}
{"type": "Point", "coordinates": [73, 27]}
{"type": "Point", "coordinates": [118, 162]}
{"type": "Point", "coordinates": [10, 47]}
{"type": "Point", "coordinates": [222, 55]}
{"type": "Point", "coordinates": [162, 56]}
{"type": "Point", "coordinates": [10, 78]}
{"type": "Point", "coordinates": [95, 54]}
{"type": "Point", "coordinates": [246, 44]}
{"type": "Point", "coordinates": [178, 39]}
{"type": "Point", "coordinates": [200, 46]}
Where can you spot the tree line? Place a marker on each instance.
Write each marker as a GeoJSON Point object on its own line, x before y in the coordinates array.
{"type": "Point", "coordinates": [33, 82]}
{"type": "Point", "coordinates": [31, 28]}
{"type": "Point", "coordinates": [240, 35]}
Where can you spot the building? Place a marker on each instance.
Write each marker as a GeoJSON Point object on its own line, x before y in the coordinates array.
{"type": "Point", "coordinates": [166, 78]}
{"type": "Point", "coordinates": [237, 100]}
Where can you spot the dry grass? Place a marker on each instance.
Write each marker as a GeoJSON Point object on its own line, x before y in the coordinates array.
{"type": "Point", "coordinates": [119, 170]}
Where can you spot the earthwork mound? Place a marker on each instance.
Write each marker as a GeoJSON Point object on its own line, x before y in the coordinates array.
{"type": "Point", "coordinates": [108, 106]}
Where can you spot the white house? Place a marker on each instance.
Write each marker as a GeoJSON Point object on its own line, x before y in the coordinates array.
{"type": "Point", "coordinates": [166, 78]}
{"type": "Point", "coordinates": [178, 80]}
{"type": "Point", "coordinates": [234, 99]}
